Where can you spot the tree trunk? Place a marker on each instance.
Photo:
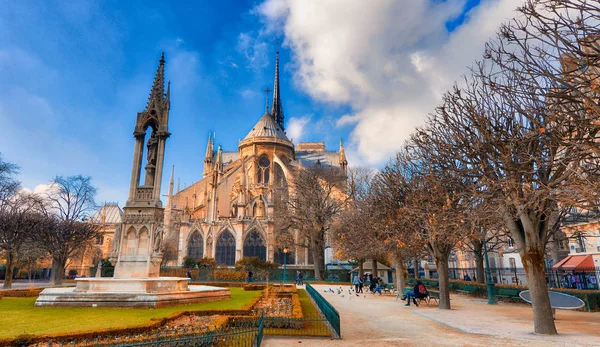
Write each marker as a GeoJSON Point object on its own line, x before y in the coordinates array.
{"type": "Point", "coordinates": [416, 267]}
{"type": "Point", "coordinates": [8, 278]}
{"type": "Point", "coordinates": [374, 267]}
{"type": "Point", "coordinates": [58, 270]}
{"type": "Point", "coordinates": [543, 322]}
{"type": "Point", "coordinates": [318, 258]}
{"type": "Point", "coordinates": [441, 262]}
{"type": "Point", "coordinates": [361, 267]}
{"type": "Point", "coordinates": [400, 282]}
{"type": "Point", "coordinates": [480, 269]}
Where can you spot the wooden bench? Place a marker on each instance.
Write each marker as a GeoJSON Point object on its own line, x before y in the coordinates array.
{"type": "Point", "coordinates": [468, 290]}
{"type": "Point", "coordinates": [508, 293]}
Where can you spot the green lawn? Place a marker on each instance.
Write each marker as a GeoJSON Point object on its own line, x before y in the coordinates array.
{"type": "Point", "coordinates": [18, 316]}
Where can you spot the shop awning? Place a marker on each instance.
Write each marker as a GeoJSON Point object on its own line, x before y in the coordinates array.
{"type": "Point", "coordinates": [575, 262]}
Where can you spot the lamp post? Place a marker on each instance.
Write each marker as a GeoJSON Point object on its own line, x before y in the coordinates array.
{"type": "Point", "coordinates": [491, 292]}
{"type": "Point", "coordinates": [285, 252]}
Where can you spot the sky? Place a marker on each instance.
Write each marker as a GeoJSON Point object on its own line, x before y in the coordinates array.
{"type": "Point", "coordinates": [74, 74]}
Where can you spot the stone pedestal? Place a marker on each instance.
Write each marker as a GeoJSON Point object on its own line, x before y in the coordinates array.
{"type": "Point", "coordinates": [139, 292]}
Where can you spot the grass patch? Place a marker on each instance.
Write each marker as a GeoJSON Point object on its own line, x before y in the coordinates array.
{"type": "Point", "coordinates": [20, 317]}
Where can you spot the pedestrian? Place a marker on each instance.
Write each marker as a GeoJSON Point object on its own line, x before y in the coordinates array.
{"type": "Point", "coordinates": [360, 285]}
{"type": "Point", "coordinates": [356, 282]}
{"type": "Point", "coordinates": [467, 278]}
{"type": "Point", "coordinates": [189, 276]}
{"type": "Point", "coordinates": [250, 274]}
{"type": "Point", "coordinates": [300, 278]}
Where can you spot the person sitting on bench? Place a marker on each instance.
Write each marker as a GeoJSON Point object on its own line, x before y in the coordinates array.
{"type": "Point", "coordinates": [418, 292]}
{"type": "Point", "coordinates": [379, 287]}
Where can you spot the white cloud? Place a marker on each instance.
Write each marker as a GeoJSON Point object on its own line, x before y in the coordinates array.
{"type": "Point", "coordinates": [295, 127]}
{"type": "Point", "coordinates": [390, 61]}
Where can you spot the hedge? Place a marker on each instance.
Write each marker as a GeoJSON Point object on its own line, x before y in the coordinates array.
{"type": "Point", "coordinates": [591, 298]}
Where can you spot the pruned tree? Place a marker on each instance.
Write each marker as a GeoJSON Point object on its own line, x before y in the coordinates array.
{"type": "Point", "coordinates": [355, 229]}
{"type": "Point", "coordinates": [317, 196]}
{"type": "Point", "coordinates": [71, 201]}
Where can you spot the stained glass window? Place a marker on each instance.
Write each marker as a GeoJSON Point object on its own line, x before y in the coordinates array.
{"type": "Point", "coordinates": [225, 252]}
{"type": "Point", "coordinates": [254, 246]}
{"type": "Point", "coordinates": [196, 246]}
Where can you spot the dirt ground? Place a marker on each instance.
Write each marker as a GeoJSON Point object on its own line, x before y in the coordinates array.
{"type": "Point", "coordinates": [471, 322]}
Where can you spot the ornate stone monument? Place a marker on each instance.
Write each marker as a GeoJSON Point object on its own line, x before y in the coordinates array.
{"type": "Point", "coordinates": [137, 246]}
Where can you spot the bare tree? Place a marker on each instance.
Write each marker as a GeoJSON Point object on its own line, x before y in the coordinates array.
{"type": "Point", "coordinates": [20, 220]}
{"type": "Point", "coordinates": [317, 197]}
{"type": "Point", "coordinates": [71, 203]}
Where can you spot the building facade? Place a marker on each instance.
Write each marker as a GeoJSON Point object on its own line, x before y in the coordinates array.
{"type": "Point", "coordinates": [228, 213]}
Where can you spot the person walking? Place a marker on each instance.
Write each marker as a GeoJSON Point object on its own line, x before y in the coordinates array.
{"type": "Point", "coordinates": [356, 282]}
{"type": "Point", "coordinates": [250, 274]}
{"type": "Point", "coordinates": [360, 285]}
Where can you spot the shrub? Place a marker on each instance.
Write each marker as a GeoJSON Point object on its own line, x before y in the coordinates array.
{"type": "Point", "coordinates": [229, 275]}
{"type": "Point", "coordinates": [254, 263]}
{"type": "Point", "coordinates": [189, 262]}
{"type": "Point", "coordinates": [206, 263]}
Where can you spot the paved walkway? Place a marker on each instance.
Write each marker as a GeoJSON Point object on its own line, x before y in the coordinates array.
{"type": "Point", "coordinates": [471, 322]}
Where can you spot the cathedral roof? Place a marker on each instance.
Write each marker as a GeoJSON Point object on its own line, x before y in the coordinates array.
{"type": "Point", "coordinates": [110, 213]}
{"type": "Point", "coordinates": [267, 127]}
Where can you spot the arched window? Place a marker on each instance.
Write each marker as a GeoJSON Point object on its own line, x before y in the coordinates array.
{"type": "Point", "coordinates": [196, 246]}
{"type": "Point", "coordinates": [225, 249]}
{"type": "Point", "coordinates": [254, 246]}
{"type": "Point", "coordinates": [264, 165]}
{"type": "Point", "coordinates": [279, 257]}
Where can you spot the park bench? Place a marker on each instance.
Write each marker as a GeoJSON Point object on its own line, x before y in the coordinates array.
{"type": "Point", "coordinates": [388, 288]}
{"type": "Point", "coordinates": [468, 290]}
{"type": "Point", "coordinates": [508, 293]}
{"type": "Point", "coordinates": [433, 295]}
{"type": "Point", "coordinates": [427, 299]}
{"type": "Point", "coordinates": [452, 286]}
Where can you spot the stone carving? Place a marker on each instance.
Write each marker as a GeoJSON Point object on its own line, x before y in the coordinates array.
{"type": "Point", "coordinates": [116, 240]}
{"type": "Point", "coordinates": [158, 235]}
{"type": "Point", "coordinates": [152, 148]}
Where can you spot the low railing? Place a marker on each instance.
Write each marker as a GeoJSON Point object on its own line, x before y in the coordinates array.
{"type": "Point", "coordinates": [247, 334]}
{"type": "Point", "coordinates": [312, 325]}
{"type": "Point", "coordinates": [330, 313]}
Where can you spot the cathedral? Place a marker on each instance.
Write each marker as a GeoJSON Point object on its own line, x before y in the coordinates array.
{"type": "Point", "coordinates": [228, 213]}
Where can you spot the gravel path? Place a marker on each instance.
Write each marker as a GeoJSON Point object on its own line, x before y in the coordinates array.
{"type": "Point", "coordinates": [471, 322]}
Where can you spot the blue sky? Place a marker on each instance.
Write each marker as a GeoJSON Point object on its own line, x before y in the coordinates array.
{"type": "Point", "coordinates": [75, 73]}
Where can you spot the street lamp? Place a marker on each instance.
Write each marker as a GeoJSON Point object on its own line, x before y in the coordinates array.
{"type": "Point", "coordinates": [285, 252]}
{"type": "Point", "coordinates": [488, 276]}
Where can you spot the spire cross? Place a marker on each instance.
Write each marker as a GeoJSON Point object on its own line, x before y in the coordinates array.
{"type": "Point", "coordinates": [267, 91]}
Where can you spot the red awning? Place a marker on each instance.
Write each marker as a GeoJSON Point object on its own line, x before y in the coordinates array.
{"type": "Point", "coordinates": [574, 262]}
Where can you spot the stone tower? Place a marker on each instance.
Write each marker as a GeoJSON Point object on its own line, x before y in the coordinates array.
{"type": "Point", "coordinates": [138, 252]}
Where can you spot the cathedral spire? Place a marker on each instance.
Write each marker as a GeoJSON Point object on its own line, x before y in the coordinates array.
{"type": "Point", "coordinates": [208, 158]}
{"type": "Point", "coordinates": [276, 108]}
{"type": "Point", "coordinates": [157, 94]}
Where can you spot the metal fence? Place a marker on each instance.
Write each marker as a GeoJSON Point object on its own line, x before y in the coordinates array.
{"type": "Point", "coordinates": [330, 313]}
{"type": "Point", "coordinates": [248, 333]}
{"type": "Point", "coordinates": [582, 278]}
{"type": "Point", "coordinates": [312, 325]}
